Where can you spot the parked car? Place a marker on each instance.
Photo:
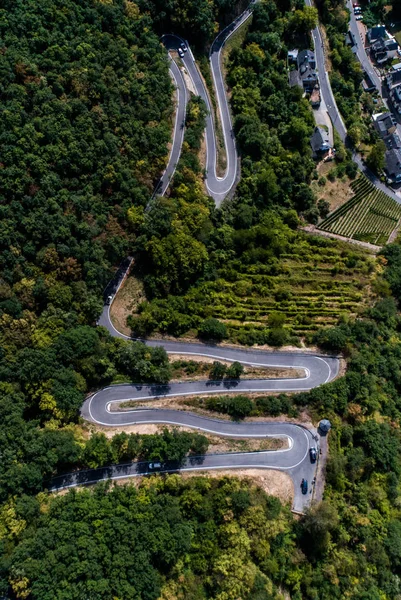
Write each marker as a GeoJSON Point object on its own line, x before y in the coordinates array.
{"type": "Point", "coordinates": [184, 46]}
{"type": "Point", "coordinates": [304, 486]}
{"type": "Point", "coordinates": [358, 18]}
{"type": "Point", "coordinates": [181, 52]}
{"type": "Point", "coordinates": [312, 454]}
{"type": "Point", "coordinates": [108, 300]}
{"type": "Point", "coordinates": [156, 466]}
{"type": "Point", "coordinates": [357, 10]}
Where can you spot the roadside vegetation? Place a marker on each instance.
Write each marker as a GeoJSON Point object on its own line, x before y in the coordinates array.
{"type": "Point", "coordinates": [246, 266]}
{"type": "Point", "coordinates": [360, 518]}
{"type": "Point", "coordinates": [189, 370]}
{"type": "Point", "coordinates": [241, 406]}
{"type": "Point", "coordinates": [173, 445]}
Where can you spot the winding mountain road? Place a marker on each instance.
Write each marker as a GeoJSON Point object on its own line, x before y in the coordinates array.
{"type": "Point", "coordinates": [217, 187]}
{"type": "Point", "coordinates": [294, 459]}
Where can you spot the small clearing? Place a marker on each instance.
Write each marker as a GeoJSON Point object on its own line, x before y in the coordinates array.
{"type": "Point", "coordinates": [336, 192]}
{"type": "Point", "coordinates": [195, 368]}
{"type": "Point", "coordinates": [217, 444]}
{"type": "Point", "coordinates": [188, 81]}
{"type": "Point", "coordinates": [273, 483]}
{"type": "Point", "coordinates": [130, 295]}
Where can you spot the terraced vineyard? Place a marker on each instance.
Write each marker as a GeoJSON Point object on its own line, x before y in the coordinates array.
{"type": "Point", "coordinates": [310, 289]}
{"type": "Point", "coordinates": [312, 284]}
{"type": "Point", "coordinates": [369, 216]}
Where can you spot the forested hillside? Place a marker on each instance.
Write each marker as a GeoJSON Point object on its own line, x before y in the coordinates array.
{"type": "Point", "coordinates": [247, 264]}
{"type": "Point", "coordinates": [85, 104]}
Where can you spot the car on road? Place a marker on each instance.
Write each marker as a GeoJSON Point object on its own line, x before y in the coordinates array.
{"type": "Point", "coordinates": [358, 18]}
{"type": "Point", "coordinates": [312, 455]}
{"type": "Point", "coordinates": [109, 299]}
{"type": "Point", "coordinates": [181, 52]}
{"type": "Point", "coordinates": [156, 466]}
{"type": "Point", "coordinates": [184, 46]}
{"type": "Point", "coordinates": [304, 486]}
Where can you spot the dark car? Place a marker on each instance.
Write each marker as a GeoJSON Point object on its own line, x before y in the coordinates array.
{"type": "Point", "coordinates": [156, 466]}
{"type": "Point", "coordinates": [312, 454]}
{"type": "Point", "coordinates": [304, 486]}
{"type": "Point", "coordinates": [184, 46]}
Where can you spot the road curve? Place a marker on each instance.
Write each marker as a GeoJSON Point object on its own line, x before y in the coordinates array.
{"type": "Point", "coordinates": [293, 460]}
{"type": "Point", "coordinates": [217, 187]}
{"type": "Point", "coordinates": [179, 124]}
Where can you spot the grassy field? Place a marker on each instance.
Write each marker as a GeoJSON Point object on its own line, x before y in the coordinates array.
{"type": "Point", "coordinates": [370, 215]}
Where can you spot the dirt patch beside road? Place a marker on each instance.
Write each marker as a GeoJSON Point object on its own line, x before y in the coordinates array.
{"type": "Point", "coordinates": [217, 444]}
{"type": "Point", "coordinates": [126, 302]}
{"type": "Point", "coordinates": [184, 369]}
{"type": "Point", "coordinates": [336, 192]}
{"type": "Point", "coordinates": [274, 483]}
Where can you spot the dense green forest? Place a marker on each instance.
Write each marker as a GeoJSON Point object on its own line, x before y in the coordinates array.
{"type": "Point", "coordinates": [196, 20]}
{"type": "Point", "coordinates": [168, 539]}
{"type": "Point", "coordinates": [85, 100]}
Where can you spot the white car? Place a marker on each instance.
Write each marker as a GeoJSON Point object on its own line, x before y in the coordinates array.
{"type": "Point", "coordinates": [181, 53]}
{"type": "Point", "coordinates": [358, 18]}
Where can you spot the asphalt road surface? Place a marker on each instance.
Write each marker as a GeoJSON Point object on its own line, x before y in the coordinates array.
{"type": "Point", "coordinates": [361, 52]}
{"type": "Point", "coordinates": [179, 127]}
{"type": "Point", "coordinates": [328, 96]}
{"type": "Point", "coordinates": [217, 187]}
{"type": "Point", "coordinates": [293, 460]}
{"type": "Point", "coordinates": [325, 87]}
